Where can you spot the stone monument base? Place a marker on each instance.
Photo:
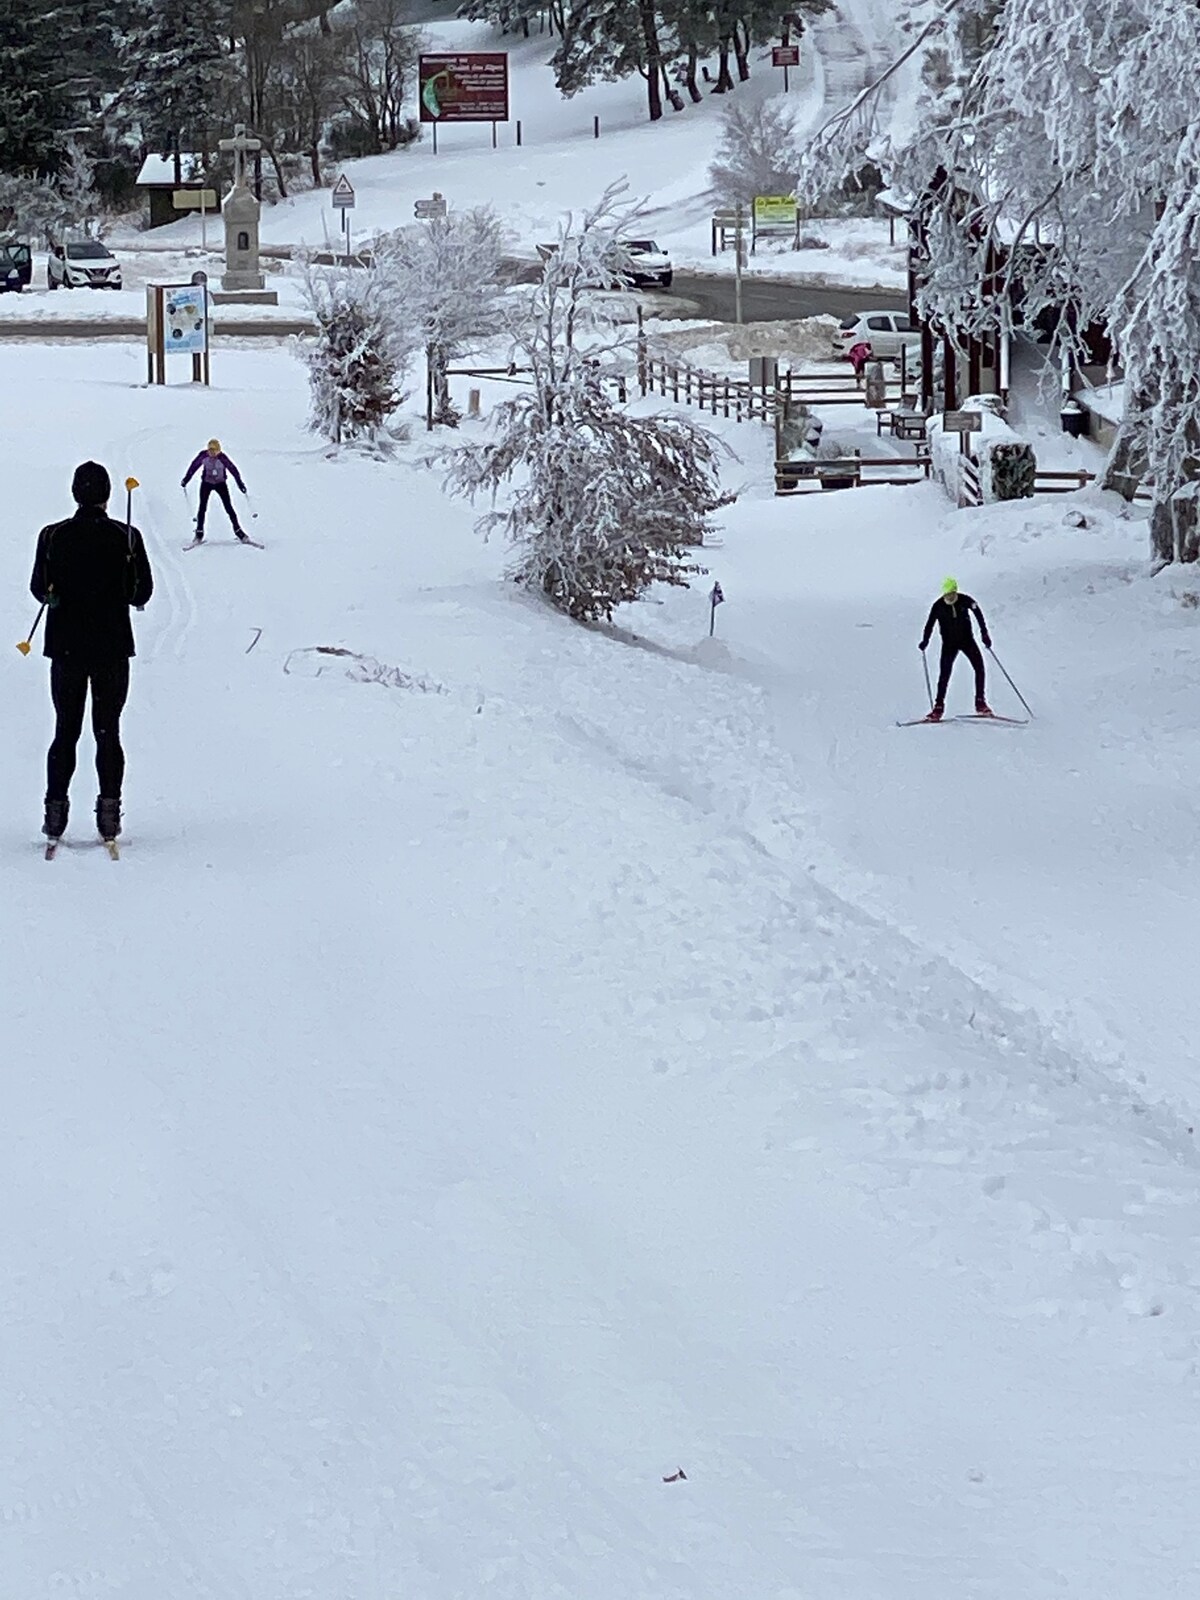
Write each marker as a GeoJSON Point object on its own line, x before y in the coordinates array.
{"type": "Point", "coordinates": [244, 297]}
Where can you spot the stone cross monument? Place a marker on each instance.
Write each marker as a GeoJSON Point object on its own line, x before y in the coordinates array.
{"type": "Point", "coordinates": [242, 278]}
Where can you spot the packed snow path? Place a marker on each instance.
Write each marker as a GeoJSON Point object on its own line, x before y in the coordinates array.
{"type": "Point", "coordinates": [458, 1111]}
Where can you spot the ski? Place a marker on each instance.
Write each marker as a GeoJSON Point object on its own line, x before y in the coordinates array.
{"type": "Point", "coordinates": [247, 540]}
{"type": "Point", "coordinates": [994, 716]}
{"type": "Point", "coordinates": [965, 716]}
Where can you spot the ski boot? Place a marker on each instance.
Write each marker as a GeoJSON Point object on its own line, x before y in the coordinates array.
{"type": "Point", "coordinates": [936, 714]}
{"type": "Point", "coordinates": [982, 709]}
{"type": "Point", "coordinates": [108, 819]}
{"type": "Point", "coordinates": [55, 824]}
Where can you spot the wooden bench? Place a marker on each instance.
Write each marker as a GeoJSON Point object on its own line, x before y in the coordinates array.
{"type": "Point", "coordinates": [908, 426]}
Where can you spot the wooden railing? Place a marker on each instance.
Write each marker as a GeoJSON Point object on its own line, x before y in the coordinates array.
{"type": "Point", "coordinates": [849, 472]}
{"type": "Point", "coordinates": [708, 391]}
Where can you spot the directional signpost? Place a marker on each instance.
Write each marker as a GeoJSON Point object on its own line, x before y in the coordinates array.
{"type": "Point", "coordinates": [431, 210]}
{"type": "Point", "coordinates": [342, 198]}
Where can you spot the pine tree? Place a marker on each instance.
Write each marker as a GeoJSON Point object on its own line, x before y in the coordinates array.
{"type": "Point", "coordinates": [35, 105]}
{"type": "Point", "coordinates": [605, 40]}
{"type": "Point", "coordinates": [173, 57]}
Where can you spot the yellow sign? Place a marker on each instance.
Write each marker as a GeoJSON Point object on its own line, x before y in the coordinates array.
{"type": "Point", "coordinates": [194, 199]}
{"type": "Point", "coordinates": [774, 211]}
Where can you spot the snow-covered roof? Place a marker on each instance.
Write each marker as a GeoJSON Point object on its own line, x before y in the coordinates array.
{"type": "Point", "coordinates": [159, 171]}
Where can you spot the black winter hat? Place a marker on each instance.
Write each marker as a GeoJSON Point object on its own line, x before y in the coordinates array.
{"type": "Point", "coordinates": [91, 485]}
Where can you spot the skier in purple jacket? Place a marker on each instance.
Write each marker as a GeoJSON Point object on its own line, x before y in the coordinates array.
{"type": "Point", "coordinates": [215, 469]}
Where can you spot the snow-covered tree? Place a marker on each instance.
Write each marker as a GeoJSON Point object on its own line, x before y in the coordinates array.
{"type": "Point", "coordinates": [357, 359]}
{"type": "Point", "coordinates": [602, 503]}
{"type": "Point", "coordinates": [445, 288]}
{"type": "Point", "coordinates": [757, 153]}
{"type": "Point", "coordinates": [1063, 145]}
{"type": "Point", "coordinates": [176, 72]}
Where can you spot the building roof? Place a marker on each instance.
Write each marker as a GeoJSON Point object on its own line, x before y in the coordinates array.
{"type": "Point", "coordinates": [158, 172]}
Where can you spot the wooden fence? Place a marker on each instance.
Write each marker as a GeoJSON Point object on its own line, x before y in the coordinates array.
{"type": "Point", "coordinates": [665, 374]}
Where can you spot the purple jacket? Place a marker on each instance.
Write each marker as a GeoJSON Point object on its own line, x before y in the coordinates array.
{"type": "Point", "coordinates": [215, 469]}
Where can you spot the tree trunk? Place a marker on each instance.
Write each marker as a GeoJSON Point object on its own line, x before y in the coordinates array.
{"type": "Point", "coordinates": [724, 77]}
{"type": "Point", "coordinates": [741, 47]}
{"type": "Point", "coordinates": [279, 177]}
{"type": "Point", "coordinates": [689, 81]}
{"type": "Point", "coordinates": [444, 409]}
{"type": "Point", "coordinates": [314, 161]}
{"type": "Point", "coordinates": [1126, 465]}
{"type": "Point", "coordinates": [671, 92]}
{"type": "Point", "coordinates": [1175, 526]}
{"type": "Point", "coordinates": [653, 68]}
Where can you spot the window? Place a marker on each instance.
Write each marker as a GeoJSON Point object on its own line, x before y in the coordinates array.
{"type": "Point", "coordinates": [903, 325]}
{"type": "Point", "coordinates": [879, 324]}
{"type": "Point", "coordinates": [243, 240]}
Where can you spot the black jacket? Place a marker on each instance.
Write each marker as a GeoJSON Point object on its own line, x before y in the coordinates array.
{"type": "Point", "coordinates": [89, 571]}
{"type": "Point", "coordinates": [953, 617]}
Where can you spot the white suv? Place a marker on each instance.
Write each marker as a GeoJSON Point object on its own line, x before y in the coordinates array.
{"type": "Point", "coordinates": [887, 332]}
{"type": "Point", "coordinates": [82, 264]}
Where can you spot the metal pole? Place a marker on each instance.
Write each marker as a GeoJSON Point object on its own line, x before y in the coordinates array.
{"type": "Point", "coordinates": [785, 78]}
{"type": "Point", "coordinates": [595, 127]}
{"type": "Point", "coordinates": [518, 130]}
{"type": "Point", "coordinates": [493, 135]}
{"type": "Point", "coordinates": [737, 271]}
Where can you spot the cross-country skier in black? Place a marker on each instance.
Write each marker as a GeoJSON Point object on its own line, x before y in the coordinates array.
{"type": "Point", "coordinates": [952, 613]}
{"type": "Point", "coordinates": [215, 470]}
{"type": "Point", "coordinates": [87, 572]}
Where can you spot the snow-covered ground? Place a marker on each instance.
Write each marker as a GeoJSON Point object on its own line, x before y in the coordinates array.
{"type": "Point", "coordinates": [460, 1110]}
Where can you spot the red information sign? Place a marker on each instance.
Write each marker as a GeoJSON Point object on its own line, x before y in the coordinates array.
{"type": "Point", "coordinates": [471, 86]}
{"type": "Point", "coordinates": [785, 55]}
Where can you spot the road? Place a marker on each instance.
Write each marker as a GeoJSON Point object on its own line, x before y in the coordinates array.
{"type": "Point", "coordinates": [773, 300]}
{"type": "Point", "coordinates": [694, 294]}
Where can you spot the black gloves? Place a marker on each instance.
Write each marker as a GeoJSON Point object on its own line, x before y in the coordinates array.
{"type": "Point", "coordinates": [924, 644]}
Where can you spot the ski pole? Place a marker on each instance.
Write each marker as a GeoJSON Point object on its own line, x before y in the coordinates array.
{"type": "Point", "coordinates": [130, 485]}
{"type": "Point", "coordinates": [1011, 684]}
{"type": "Point", "coordinates": [928, 685]}
{"type": "Point", "coordinates": [26, 645]}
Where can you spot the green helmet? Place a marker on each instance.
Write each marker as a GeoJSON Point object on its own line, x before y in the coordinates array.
{"type": "Point", "coordinates": [949, 586]}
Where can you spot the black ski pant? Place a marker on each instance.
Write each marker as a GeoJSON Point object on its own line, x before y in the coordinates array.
{"type": "Point", "coordinates": [950, 653]}
{"type": "Point", "coordinates": [221, 490]}
{"type": "Point", "coordinates": [69, 684]}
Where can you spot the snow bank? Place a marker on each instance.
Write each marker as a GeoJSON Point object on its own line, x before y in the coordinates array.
{"type": "Point", "coordinates": [994, 450]}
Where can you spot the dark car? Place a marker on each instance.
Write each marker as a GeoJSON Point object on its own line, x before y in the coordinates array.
{"type": "Point", "coordinates": [16, 265]}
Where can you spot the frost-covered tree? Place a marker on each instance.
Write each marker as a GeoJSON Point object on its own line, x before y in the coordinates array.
{"type": "Point", "coordinates": [602, 503]}
{"type": "Point", "coordinates": [1063, 145]}
{"type": "Point", "coordinates": [445, 288]}
{"type": "Point", "coordinates": [757, 153]}
{"type": "Point", "coordinates": [357, 359]}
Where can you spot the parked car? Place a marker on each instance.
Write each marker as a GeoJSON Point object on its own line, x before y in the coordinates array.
{"type": "Point", "coordinates": [646, 262]}
{"type": "Point", "coordinates": [887, 332]}
{"type": "Point", "coordinates": [16, 264]}
{"type": "Point", "coordinates": [82, 264]}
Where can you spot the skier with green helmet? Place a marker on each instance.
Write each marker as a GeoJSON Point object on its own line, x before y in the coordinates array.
{"type": "Point", "coordinates": [952, 612]}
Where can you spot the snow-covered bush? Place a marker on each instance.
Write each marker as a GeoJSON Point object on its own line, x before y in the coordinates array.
{"type": "Point", "coordinates": [444, 287]}
{"type": "Point", "coordinates": [604, 503]}
{"type": "Point", "coordinates": [1007, 462]}
{"type": "Point", "coordinates": [757, 153]}
{"type": "Point", "coordinates": [357, 359]}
